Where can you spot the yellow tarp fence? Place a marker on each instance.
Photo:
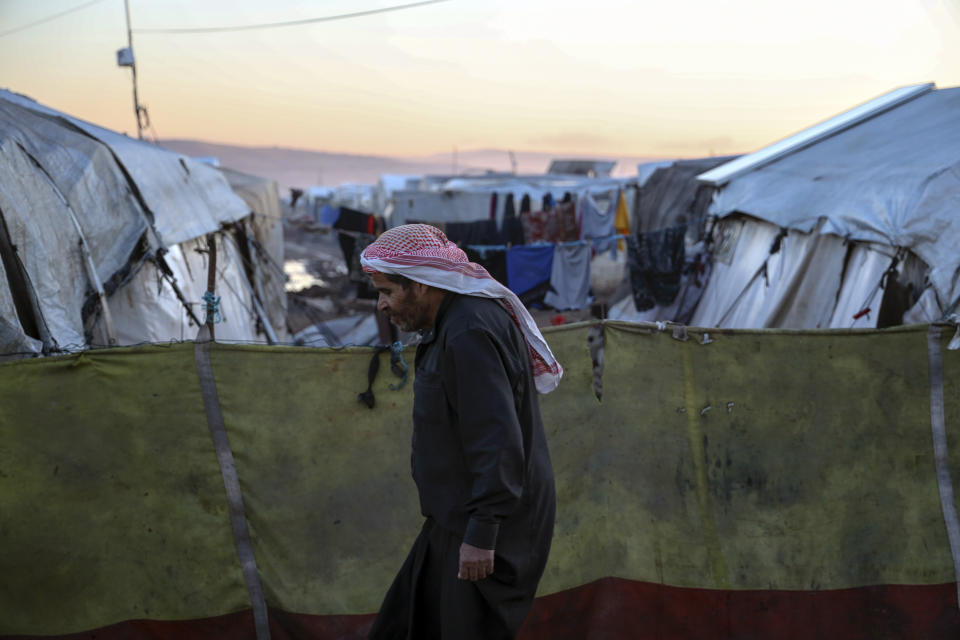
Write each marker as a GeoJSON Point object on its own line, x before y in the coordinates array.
{"type": "Point", "coordinates": [733, 460]}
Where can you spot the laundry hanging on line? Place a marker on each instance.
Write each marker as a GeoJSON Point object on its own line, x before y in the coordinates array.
{"type": "Point", "coordinates": [355, 231]}
{"type": "Point", "coordinates": [570, 278]}
{"type": "Point", "coordinates": [528, 271]}
{"type": "Point", "coordinates": [598, 225]}
{"type": "Point", "coordinates": [477, 232]}
{"type": "Point", "coordinates": [656, 261]}
{"type": "Point", "coordinates": [494, 260]}
{"type": "Point", "coordinates": [555, 224]}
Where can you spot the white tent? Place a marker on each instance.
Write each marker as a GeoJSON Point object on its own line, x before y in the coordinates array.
{"type": "Point", "coordinates": [857, 203]}
{"type": "Point", "coordinates": [98, 235]}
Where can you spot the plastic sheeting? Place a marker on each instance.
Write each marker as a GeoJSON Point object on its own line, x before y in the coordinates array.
{"type": "Point", "coordinates": [725, 466]}
{"type": "Point", "coordinates": [59, 174]}
{"type": "Point", "coordinates": [672, 195]}
{"type": "Point", "coordinates": [13, 339]}
{"type": "Point", "coordinates": [266, 224]}
{"type": "Point", "coordinates": [148, 310]}
{"type": "Point", "coordinates": [85, 175]}
{"type": "Point", "coordinates": [187, 199]}
{"type": "Point", "coordinates": [50, 176]}
{"type": "Point", "coordinates": [893, 179]}
{"type": "Point", "coordinates": [764, 277]}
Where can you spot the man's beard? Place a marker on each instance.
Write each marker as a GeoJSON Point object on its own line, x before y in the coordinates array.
{"type": "Point", "coordinates": [410, 315]}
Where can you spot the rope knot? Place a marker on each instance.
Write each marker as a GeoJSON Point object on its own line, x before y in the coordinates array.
{"type": "Point", "coordinates": [211, 307]}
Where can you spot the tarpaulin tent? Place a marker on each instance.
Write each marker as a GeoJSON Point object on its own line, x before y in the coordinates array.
{"type": "Point", "coordinates": [883, 179]}
{"type": "Point", "coordinates": [731, 484]}
{"type": "Point", "coordinates": [265, 245]}
{"type": "Point", "coordinates": [99, 236]}
{"type": "Point", "coordinates": [671, 196]}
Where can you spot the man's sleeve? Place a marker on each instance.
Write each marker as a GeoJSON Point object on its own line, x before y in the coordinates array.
{"type": "Point", "coordinates": [480, 391]}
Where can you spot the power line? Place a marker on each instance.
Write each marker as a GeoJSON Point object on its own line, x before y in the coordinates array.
{"type": "Point", "coordinates": [292, 23]}
{"type": "Point", "coordinates": [49, 18]}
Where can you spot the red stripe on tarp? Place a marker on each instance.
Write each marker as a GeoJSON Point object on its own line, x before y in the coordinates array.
{"type": "Point", "coordinates": [614, 608]}
{"type": "Point", "coordinates": [234, 625]}
{"type": "Point", "coordinates": [619, 609]}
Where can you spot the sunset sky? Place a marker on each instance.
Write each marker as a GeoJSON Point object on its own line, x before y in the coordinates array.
{"type": "Point", "coordinates": [682, 78]}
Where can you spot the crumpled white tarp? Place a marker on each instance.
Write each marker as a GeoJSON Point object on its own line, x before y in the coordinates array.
{"type": "Point", "coordinates": [188, 199]}
{"type": "Point", "coordinates": [266, 227]}
{"type": "Point", "coordinates": [811, 281]}
{"type": "Point", "coordinates": [893, 179]}
{"type": "Point", "coordinates": [147, 308]}
{"type": "Point", "coordinates": [54, 170]}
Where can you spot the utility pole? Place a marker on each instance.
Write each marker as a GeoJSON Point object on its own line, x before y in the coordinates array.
{"type": "Point", "coordinates": [125, 58]}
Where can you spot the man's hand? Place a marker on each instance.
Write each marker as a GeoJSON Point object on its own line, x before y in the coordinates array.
{"type": "Point", "coordinates": [475, 564]}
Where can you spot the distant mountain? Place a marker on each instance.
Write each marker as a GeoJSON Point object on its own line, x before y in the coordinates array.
{"type": "Point", "coordinates": [304, 168]}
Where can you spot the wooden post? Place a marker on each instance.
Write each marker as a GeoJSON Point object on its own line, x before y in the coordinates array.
{"type": "Point", "coordinates": [211, 279]}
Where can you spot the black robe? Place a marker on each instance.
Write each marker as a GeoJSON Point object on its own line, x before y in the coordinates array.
{"type": "Point", "coordinates": [483, 472]}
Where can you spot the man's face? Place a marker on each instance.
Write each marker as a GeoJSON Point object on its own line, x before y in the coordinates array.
{"type": "Point", "coordinates": [404, 307]}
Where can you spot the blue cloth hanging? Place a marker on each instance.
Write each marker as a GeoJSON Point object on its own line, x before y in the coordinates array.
{"type": "Point", "coordinates": [529, 266]}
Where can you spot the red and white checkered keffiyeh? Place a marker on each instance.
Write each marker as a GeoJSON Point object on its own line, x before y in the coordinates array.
{"type": "Point", "coordinates": [422, 253]}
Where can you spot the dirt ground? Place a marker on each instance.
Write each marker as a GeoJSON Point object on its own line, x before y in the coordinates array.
{"type": "Point", "coordinates": [330, 293]}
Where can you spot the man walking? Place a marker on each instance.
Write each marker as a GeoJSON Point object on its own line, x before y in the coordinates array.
{"type": "Point", "coordinates": [480, 458]}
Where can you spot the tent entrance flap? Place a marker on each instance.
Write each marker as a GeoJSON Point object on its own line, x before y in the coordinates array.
{"type": "Point", "coordinates": [20, 289]}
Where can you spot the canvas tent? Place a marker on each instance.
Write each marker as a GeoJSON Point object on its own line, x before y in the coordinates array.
{"type": "Point", "coordinates": [264, 236]}
{"type": "Point", "coordinates": [851, 223]}
{"type": "Point", "coordinates": [671, 196]}
{"type": "Point", "coordinates": [100, 238]}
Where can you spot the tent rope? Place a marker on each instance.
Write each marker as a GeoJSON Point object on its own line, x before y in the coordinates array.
{"type": "Point", "coordinates": [211, 307]}
{"type": "Point", "coordinates": [938, 426]}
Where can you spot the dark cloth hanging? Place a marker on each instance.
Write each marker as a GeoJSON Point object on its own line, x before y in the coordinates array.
{"type": "Point", "coordinates": [356, 273]}
{"type": "Point", "coordinates": [493, 260]}
{"type": "Point", "coordinates": [478, 232]}
{"type": "Point", "coordinates": [361, 229]}
{"type": "Point", "coordinates": [525, 203]}
{"type": "Point", "coordinates": [656, 261]}
{"type": "Point", "coordinates": [897, 299]}
{"type": "Point", "coordinates": [352, 246]}
{"type": "Point", "coordinates": [353, 220]}
{"type": "Point", "coordinates": [508, 207]}
{"type": "Point", "coordinates": [511, 231]}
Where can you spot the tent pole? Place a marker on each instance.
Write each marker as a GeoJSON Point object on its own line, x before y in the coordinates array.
{"type": "Point", "coordinates": [94, 279]}
{"type": "Point", "coordinates": [211, 280]}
